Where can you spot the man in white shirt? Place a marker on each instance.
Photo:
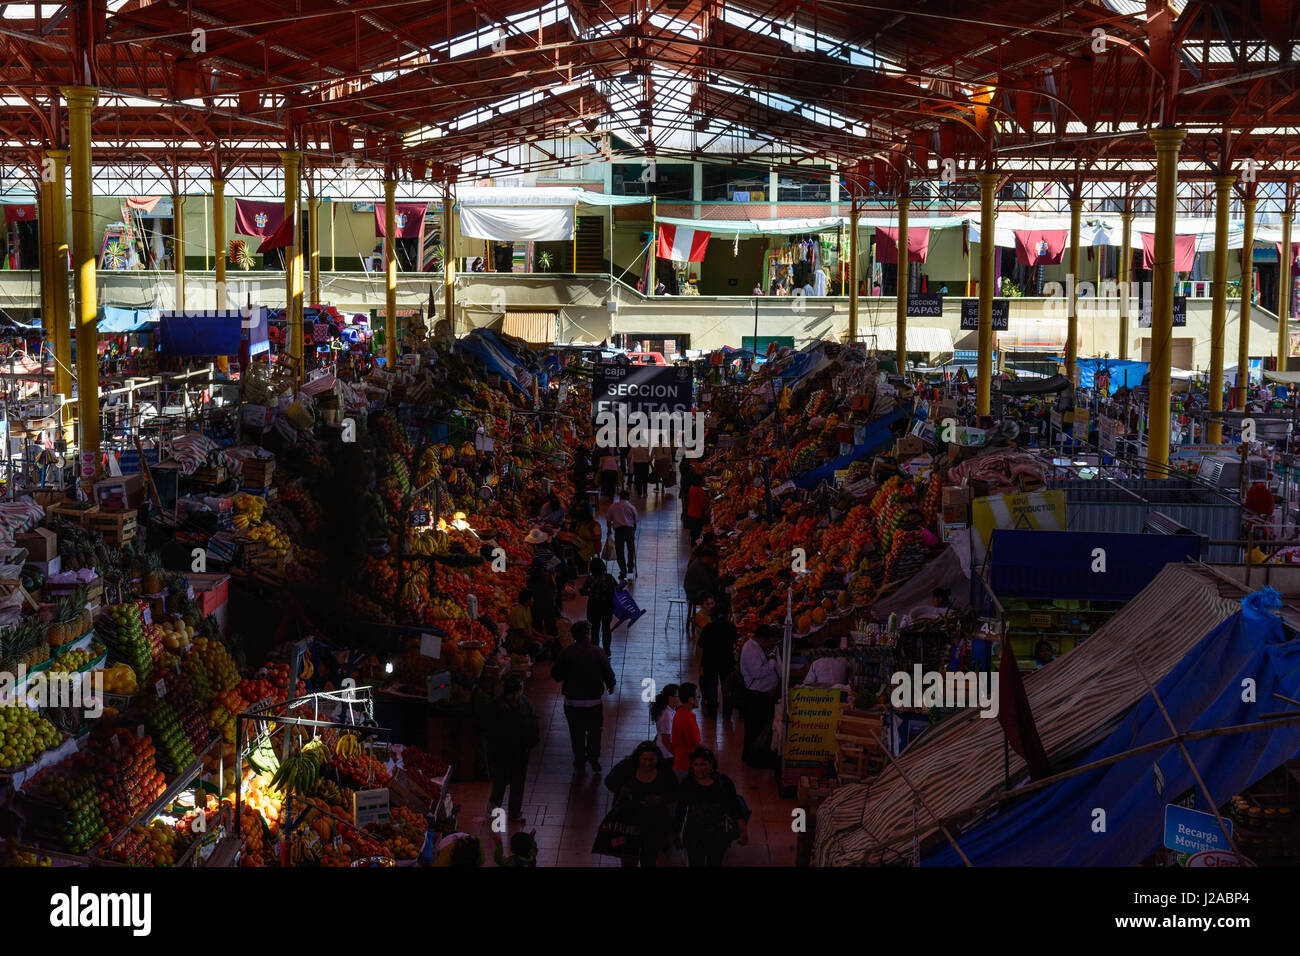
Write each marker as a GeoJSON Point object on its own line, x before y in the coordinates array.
{"type": "Point", "coordinates": [828, 671]}
{"type": "Point", "coordinates": [622, 516]}
{"type": "Point", "coordinates": [762, 678]}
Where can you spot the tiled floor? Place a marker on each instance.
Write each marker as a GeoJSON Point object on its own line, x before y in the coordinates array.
{"type": "Point", "coordinates": [566, 807]}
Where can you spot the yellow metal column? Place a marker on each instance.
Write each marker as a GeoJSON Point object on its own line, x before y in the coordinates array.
{"type": "Point", "coordinates": [900, 312]}
{"type": "Point", "coordinates": [313, 250]}
{"type": "Point", "coordinates": [1167, 143]}
{"type": "Point", "coordinates": [81, 100]}
{"type": "Point", "coordinates": [1125, 280]}
{"type": "Point", "coordinates": [1219, 305]}
{"type": "Point", "coordinates": [449, 261]}
{"type": "Point", "coordinates": [854, 217]}
{"type": "Point", "coordinates": [178, 248]}
{"type": "Point", "coordinates": [1284, 292]}
{"type": "Point", "coordinates": [293, 262]}
{"type": "Point", "coordinates": [221, 250]}
{"type": "Point", "coordinates": [1247, 289]}
{"type": "Point", "coordinates": [1072, 290]}
{"type": "Point", "coordinates": [44, 217]}
{"type": "Point", "coordinates": [62, 316]}
{"type": "Point", "coordinates": [988, 184]}
{"type": "Point", "coordinates": [390, 272]}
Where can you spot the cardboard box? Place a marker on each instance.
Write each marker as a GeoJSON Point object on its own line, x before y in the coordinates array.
{"type": "Point", "coordinates": [120, 494]}
{"type": "Point", "coordinates": [908, 447]}
{"type": "Point", "coordinates": [42, 545]}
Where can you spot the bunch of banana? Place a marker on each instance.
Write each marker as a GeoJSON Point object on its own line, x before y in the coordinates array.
{"type": "Point", "coordinates": [331, 794]}
{"type": "Point", "coordinates": [298, 774]}
{"type": "Point", "coordinates": [349, 745]}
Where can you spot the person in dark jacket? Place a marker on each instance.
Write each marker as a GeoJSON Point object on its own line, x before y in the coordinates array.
{"type": "Point", "coordinates": [701, 578]}
{"type": "Point", "coordinates": [541, 581]}
{"type": "Point", "coordinates": [644, 787]}
{"type": "Point", "coordinates": [600, 587]}
{"type": "Point", "coordinates": [717, 645]}
{"type": "Point", "coordinates": [512, 729]}
{"type": "Point", "coordinates": [687, 476]}
{"type": "Point", "coordinates": [584, 674]}
{"type": "Point", "coordinates": [713, 813]}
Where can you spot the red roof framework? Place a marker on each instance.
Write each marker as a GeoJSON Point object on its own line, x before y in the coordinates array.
{"type": "Point", "coordinates": [884, 90]}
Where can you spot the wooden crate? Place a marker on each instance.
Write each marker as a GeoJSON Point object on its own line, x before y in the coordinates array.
{"type": "Point", "coordinates": [78, 512]}
{"type": "Point", "coordinates": [257, 472]}
{"type": "Point", "coordinates": [94, 591]}
{"type": "Point", "coordinates": [861, 757]}
{"type": "Point", "coordinates": [209, 476]}
{"type": "Point", "coordinates": [117, 527]}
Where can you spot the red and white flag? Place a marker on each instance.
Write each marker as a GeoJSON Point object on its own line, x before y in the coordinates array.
{"type": "Point", "coordinates": [682, 245]}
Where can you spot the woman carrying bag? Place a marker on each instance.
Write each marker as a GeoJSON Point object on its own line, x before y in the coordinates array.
{"type": "Point", "coordinates": [714, 815]}
{"type": "Point", "coordinates": [639, 825]}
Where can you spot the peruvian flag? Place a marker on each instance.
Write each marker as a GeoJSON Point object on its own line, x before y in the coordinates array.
{"type": "Point", "coordinates": [682, 245]}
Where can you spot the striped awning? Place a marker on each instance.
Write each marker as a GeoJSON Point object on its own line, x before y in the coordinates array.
{"type": "Point", "coordinates": [1076, 701]}
{"type": "Point", "coordinates": [535, 328]}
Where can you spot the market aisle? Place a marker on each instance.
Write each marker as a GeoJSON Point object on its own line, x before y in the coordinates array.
{"type": "Point", "coordinates": [566, 808]}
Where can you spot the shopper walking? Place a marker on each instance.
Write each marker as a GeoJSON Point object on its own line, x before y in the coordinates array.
{"type": "Point", "coordinates": [644, 786]}
{"type": "Point", "coordinates": [581, 473]}
{"type": "Point", "coordinates": [608, 473]}
{"type": "Point", "coordinates": [687, 477]}
{"type": "Point", "coordinates": [622, 524]}
{"type": "Point", "coordinates": [662, 710]}
{"type": "Point", "coordinates": [512, 729]}
{"type": "Point", "coordinates": [713, 813]}
{"type": "Point", "coordinates": [762, 679]}
{"type": "Point", "coordinates": [700, 580]}
{"type": "Point", "coordinates": [717, 658]}
{"type": "Point", "coordinates": [697, 510]}
{"type": "Point", "coordinates": [600, 587]}
{"type": "Point", "coordinates": [640, 457]}
{"type": "Point", "coordinates": [686, 729]}
{"type": "Point", "coordinates": [584, 674]}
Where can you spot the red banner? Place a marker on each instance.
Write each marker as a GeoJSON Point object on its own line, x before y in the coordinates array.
{"type": "Point", "coordinates": [1040, 247]}
{"type": "Point", "coordinates": [21, 213]}
{"type": "Point", "coordinates": [254, 218]}
{"type": "Point", "coordinates": [1184, 252]}
{"type": "Point", "coordinates": [410, 219]}
{"type": "Point", "coordinates": [918, 245]}
{"type": "Point", "coordinates": [142, 203]}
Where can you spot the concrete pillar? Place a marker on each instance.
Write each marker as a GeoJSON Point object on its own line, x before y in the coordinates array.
{"type": "Point", "coordinates": [900, 313]}
{"type": "Point", "coordinates": [390, 272]}
{"type": "Point", "coordinates": [1072, 289]}
{"type": "Point", "coordinates": [1125, 280]}
{"type": "Point", "coordinates": [1247, 287]}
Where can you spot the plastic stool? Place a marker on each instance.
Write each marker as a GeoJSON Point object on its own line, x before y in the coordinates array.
{"type": "Point", "coordinates": [673, 603]}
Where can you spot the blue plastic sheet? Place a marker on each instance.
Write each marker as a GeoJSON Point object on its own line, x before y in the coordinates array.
{"type": "Point", "coordinates": [201, 333]}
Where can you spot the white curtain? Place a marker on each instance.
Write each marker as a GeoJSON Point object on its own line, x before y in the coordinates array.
{"type": "Point", "coordinates": [517, 223]}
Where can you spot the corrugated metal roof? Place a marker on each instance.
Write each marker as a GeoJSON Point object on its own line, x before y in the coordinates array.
{"type": "Point", "coordinates": [1075, 702]}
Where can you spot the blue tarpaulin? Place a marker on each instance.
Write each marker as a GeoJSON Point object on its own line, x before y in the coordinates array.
{"type": "Point", "coordinates": [879, 434]}
{"type": "Point", "coordinates": [1059, 564]}
{"type": "Point", "coordinates": [115, 320]}
{"type": "Point", "coordinates": [201, 333]}
{"type": "Point", "coordinates": [1122, 372]}
{"type": "Point", "coordinates": [1056, 826]}
{"type": "Point", "coordinates": [486, 346]}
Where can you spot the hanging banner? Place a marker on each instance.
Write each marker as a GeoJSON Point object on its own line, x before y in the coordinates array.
{"type": "Point", "coordinates": [1184, 251]}
{"type": "Point", "coordinates": [918, 245]}
{"type": "Point", "coordinates": [409, 218]}
{"type": "Point", "coordinates": [1180, 312]}
{"type": "Point", "coordinates": [1040, 247]}
{"type": "Point", "coordinates": [970, 315]}
{"type": "Point", "coordinates": [257, 218]}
